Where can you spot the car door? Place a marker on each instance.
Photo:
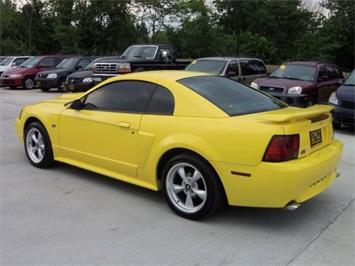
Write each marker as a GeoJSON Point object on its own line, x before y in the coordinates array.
{"type": "Point", "coordinates": [104, 133]}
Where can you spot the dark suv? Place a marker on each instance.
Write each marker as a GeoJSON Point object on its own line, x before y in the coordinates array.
{"type": "Point", "coordinates": [302, 83]}
{"type": "Point", "coordinates": [55, 78]}
{"type": "Point", "coordinates": [82, 80]}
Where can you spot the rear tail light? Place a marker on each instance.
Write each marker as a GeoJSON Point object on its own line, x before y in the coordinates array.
{"type": "Point", "coordinates": [282, 148]}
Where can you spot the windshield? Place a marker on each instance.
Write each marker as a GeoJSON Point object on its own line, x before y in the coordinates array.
{"type": "Point", "coordinates": [68, 63]}
{"type": "Point", "coordinates": [301, 72]}
{"type": "Point", "coordinates": [147, 52]}
{"type": "Point", "coordinates": [209, 66]}
{"type": "Point", "coordinates": [30, 62]}
{"type": "Point", "coordinates": [7, 61]}
{"type": "Point", "coordinates": [232, 97]}
{"type": "Point", "coordinates": [350, 79]}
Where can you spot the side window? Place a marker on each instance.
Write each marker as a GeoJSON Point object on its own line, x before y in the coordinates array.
{"type": "Point", "coordinates": [48, 62]}
{"type": "Point", "coordinates": [339, 73]}
{"type": "Point", "coordinates": [331, 72]}
{"type": "Point", "coordinates": [19, 61]}
{"type": "Point", "coordinates": [232, 68]}
{"type": "Point", "coordinates": [162, 102]}
{"type": "Point", "coordinates": [252, 67]}
{"type": "Point", "coordinates": [84, 62]}
{"type": "Point", "coordinates": [122, 96]}
{"type": "Point", "coordinates": [322, 72]}
{"type": "Point", "coordinates": [165, 52]}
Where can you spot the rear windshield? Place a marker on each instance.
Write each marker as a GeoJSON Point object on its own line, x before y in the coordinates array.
{"type": "Point", "coordinates": [232, 97]}
{"type": "Point", "coordinates": [208, 66]}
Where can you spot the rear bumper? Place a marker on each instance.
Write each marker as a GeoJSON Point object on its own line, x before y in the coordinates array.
{"type": "Point", "coordinates": [276, 184]}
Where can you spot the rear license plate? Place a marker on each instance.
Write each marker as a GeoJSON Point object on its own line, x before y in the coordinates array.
{"type": "Point", "coordinates": [315, 137]}
{"type": "Point", "coordinates": [71, 87]}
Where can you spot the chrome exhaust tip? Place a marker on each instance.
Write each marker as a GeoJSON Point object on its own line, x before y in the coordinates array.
{"type": "Point", "coordinates": [292, 206]}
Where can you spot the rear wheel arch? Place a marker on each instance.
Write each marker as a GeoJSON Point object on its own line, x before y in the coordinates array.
{"type": "Point", "coordinates": [199, 200]}
{"type": "Point", "coordinates": [175, 152]}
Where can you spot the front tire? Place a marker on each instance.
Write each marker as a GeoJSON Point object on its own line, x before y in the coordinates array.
{"type": "Point", "coordinates": [28, 83]}
{"type": "Point", "coordinates": [61, 86]}
{"type": "Point", "coordinates": [191, 187]}
{"type": "Point", "coordinates": [310, 102]}
{"type": "Point", "coordinates": [336, 125]}
{"type": "Point", "coordinates": [38, 146]}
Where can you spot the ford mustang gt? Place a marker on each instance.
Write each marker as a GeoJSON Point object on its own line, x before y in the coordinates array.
{"type": "Point", "coordinates": [204, 140]}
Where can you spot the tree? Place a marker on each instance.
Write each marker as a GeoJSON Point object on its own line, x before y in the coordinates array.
{"type": "Point", "coordinates": [338, 32]}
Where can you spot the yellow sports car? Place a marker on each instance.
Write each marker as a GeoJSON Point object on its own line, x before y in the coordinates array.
{"type": "Point", "coordinates": [203, 140]}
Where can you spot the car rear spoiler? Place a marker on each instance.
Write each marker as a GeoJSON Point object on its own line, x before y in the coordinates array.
{"type": "Point", "coordinates": [294, 113]}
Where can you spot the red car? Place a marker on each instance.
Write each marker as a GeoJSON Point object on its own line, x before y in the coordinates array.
{"type": "Point", "coordinates": [23, 75]}
{"type": "Point", "coordinates": [301, 83]}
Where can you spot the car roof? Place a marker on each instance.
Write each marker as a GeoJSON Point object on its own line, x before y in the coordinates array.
{"type": "Point", "coordinates": [56, 55]}
{"type": "Point", "coordinates": [309, 63]}
{"type": "Point", "coordinates": [227, 58]}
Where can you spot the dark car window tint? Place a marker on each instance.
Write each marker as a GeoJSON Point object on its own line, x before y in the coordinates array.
{"type": "Point", "coordinates": [48, 62]}
{"type": "Point", "coordinates": [339, 72]}
{"type": "Point", "coordinates": [322, 72]}
{"type": "Point", "coordinates": [331, 72]}
{"type": "Point", "coordinates": [123, 96]}
{"type": "Point", "coordinates": [232, 97]}
{"type": "Point", "coordinates": [232, 68]}
{"type": "Point", "coordinates": [84, 62]}
{"type": "Point", "coordinates": [19, 61]}
{"type": "Point", "coordinates": [252, 67]}
{"type": "Point", "coordinates": [162, 102]}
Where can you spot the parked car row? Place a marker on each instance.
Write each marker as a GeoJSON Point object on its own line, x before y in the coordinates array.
{"type": "Point", "coordinates": [298, 83]}
{"type": "Point", "coordinates": [24, 75]}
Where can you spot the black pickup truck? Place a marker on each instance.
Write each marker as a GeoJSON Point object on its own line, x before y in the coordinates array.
{"type": "Point", "coordinates": [136, 58]}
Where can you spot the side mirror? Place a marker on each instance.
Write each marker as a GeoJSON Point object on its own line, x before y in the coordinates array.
{"type": "Point", "coordinates": [166, 56]}
{"type": "Point", "coordinates": [13, 64]}
{"type": "Point", "coordinates": [76, 105]}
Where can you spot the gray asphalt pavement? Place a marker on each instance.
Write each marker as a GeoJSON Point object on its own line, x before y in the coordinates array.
{"type": "Point", "coordinates": [69, 216]}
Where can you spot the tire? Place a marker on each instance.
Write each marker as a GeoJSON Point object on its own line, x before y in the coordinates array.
{"type": "Point", "coordinates": [45, 89]}
{"type": "Point", "coordinates": [191, 187]}
{"type": "Point", "coordinates": [310, 102]}
{"type": "Point", "coordinates": [60, 86]}
{"type": "Point", "coordinates": [140, 69]}
{"type": "Point", "coordinates": [336, 125]}
{"type": "Point", "coordinates": [28, 83]}
{"type": "Point", "coordinates": [38, 146]}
